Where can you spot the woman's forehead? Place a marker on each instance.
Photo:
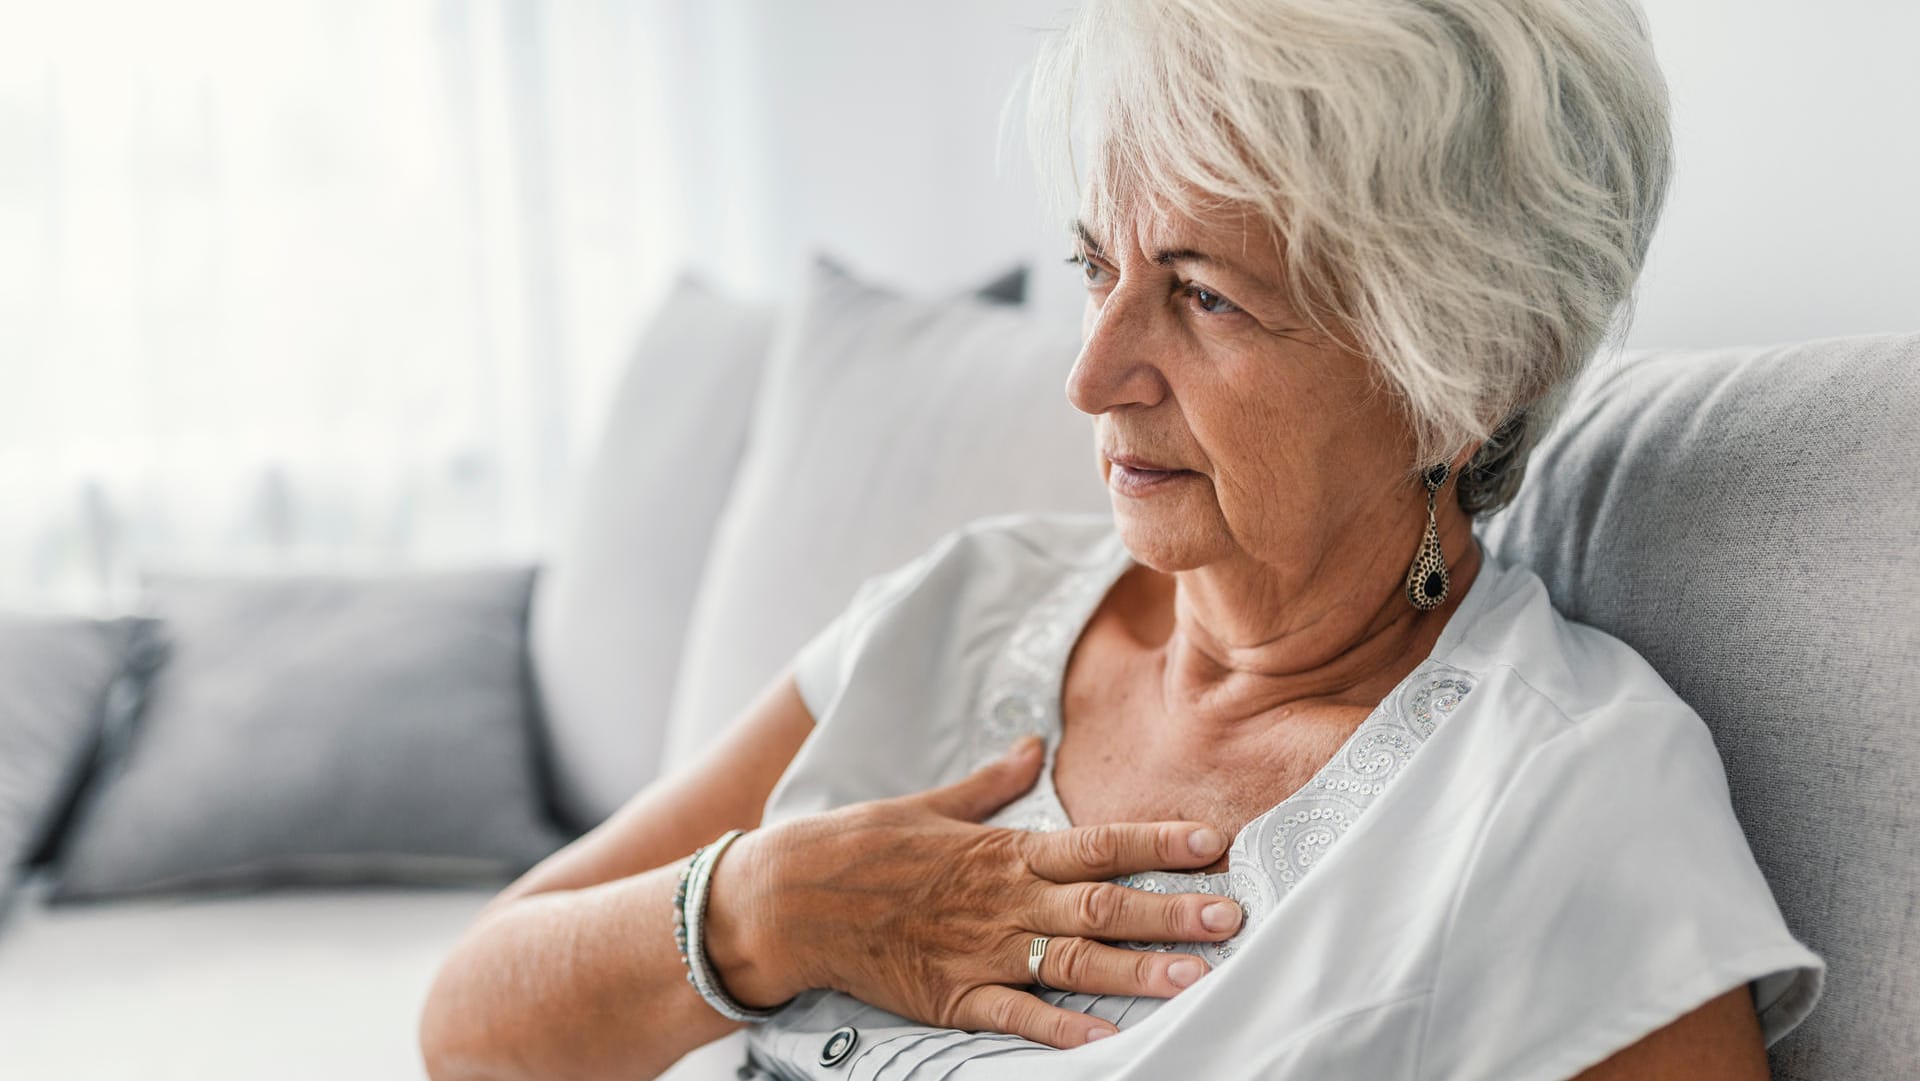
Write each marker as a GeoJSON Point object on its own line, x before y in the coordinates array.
{"type": "Point", "coordinates": [1179, 223]}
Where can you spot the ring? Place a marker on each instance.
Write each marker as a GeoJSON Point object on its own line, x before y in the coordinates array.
{"type": "Point", "coordinates": [1036, 953]}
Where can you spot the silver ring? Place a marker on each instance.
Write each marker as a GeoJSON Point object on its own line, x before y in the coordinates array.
{"type": "Point", "coordinates": [1036, 953]}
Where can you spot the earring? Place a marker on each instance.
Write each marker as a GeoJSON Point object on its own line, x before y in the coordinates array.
{"type": "Point", "coordinates": [1427, 578]}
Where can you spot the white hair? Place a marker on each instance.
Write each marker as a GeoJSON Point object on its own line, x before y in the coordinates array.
{"type": "Point", "coordinates": [1467, 187]}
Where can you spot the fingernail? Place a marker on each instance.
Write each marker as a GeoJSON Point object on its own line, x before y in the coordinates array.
{"type": "Point", "coordinates": [1099, 1033]}
{"type": "Point", "coordinates": [1220, 915]}
{"type": "Point", "coordinates": [1023, 747]}
{"type": "Point", "coordinates": [1183, 973]}
{"type": "Point", "coordinates": [1204, 841]}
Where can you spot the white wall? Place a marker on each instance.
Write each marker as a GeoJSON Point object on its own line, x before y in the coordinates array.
{"type": "Point", "coordinates": [1794, 211]}
{"type": "Point", "coordinates": [870, 126]}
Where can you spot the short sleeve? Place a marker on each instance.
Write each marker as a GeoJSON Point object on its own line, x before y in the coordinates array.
{"type": "Point", "coordinates": [1612, 891]}
{"type": "Point", "coordinates": [820, 667]}
{"type": "Point", "coordinates": [817, 670]}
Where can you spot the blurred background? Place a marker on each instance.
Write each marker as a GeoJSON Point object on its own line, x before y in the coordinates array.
{"type": "Point", "coordinates": [353, 285]}
{"type": "Point", "coordinates": [344, 283]}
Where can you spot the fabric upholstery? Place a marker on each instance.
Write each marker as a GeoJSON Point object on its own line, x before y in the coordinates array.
{"type": "Point", "coordinates": [1748, 519]}
{"type": "Point", "coordinates": [611, 607]}
{"type": "Point", "coordinates": [291, 985]}
{"type": "Point", "coordinates": [324, 730]}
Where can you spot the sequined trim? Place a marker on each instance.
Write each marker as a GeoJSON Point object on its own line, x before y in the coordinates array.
{"type": "Point", "coordinates": [1273, 853]}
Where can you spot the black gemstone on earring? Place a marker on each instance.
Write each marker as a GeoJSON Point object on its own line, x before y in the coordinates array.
{"type": "Point", "coordinates": [1433, 585]}
{"type": "Point", "coordinates": [1437, 475]}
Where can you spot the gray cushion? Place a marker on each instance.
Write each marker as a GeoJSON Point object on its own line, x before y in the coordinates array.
{"type": "Point", "coordinates": [611, 610]}
{"type": "Point", "coordinates": [1748, 519]}
{"type": "Point", "coordinates": [1008, 288]}
{"type": "Point", "coordinates": [322, 730]}
{"type": "Point", "coordinates": [55, 677]}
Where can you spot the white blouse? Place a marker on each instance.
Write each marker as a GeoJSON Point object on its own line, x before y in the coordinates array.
{"type": "Point", "coordinates": [1522, 861]}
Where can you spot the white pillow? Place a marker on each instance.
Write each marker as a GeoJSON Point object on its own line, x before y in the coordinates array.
{"type": "Point", "coordinates": [881, 423]}
{"type": "Point", "coordinates": [611, 605]}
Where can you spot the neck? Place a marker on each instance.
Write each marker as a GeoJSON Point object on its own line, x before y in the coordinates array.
{"type": "Point", "coordinates": [1250, 642]}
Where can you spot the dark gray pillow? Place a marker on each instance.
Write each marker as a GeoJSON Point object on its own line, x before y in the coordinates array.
{"type": "Point", "coordinates": [56, 676]}
{"type": "Point", "coordinates": [1008, 288]}
{"type": "Point", "coordinates": [309, 730]}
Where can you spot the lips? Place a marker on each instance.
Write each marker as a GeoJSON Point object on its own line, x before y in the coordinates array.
{"type": "Point", "coordinates": [1142, 465]}
{"type": "Point", "coordinates": [1140, 482]}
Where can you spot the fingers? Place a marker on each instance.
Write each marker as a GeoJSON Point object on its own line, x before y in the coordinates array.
{"type": "Point", "coordinates": [1095, 968]}
{"type": "Point", "coordinates": [997, 1008]}
{"type": "Point", "coordinates": [984, 791]}
{"type": "Point", "coordinates": [1085, 853]}
{"type": "Point", "coordinates": [1111, 911]}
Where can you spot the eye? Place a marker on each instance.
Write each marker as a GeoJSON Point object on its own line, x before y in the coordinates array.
{"type": "Point", "coordinates": [1090, 271]}
{"type": "Point", "coordinates": [1211, 302]}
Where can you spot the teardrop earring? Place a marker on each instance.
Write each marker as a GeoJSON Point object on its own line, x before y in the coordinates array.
{"type": "Point", "coordinates": [1427, 578]}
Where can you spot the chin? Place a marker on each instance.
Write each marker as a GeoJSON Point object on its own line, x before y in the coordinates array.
{"type": "Point", "coordinates": [1169, 535]}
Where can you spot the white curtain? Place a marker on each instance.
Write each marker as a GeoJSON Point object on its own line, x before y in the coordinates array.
{"type": "Point", "coordinates": [313, 283]}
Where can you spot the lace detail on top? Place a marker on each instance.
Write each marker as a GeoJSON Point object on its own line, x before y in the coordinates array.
{"type": "Point", "coordinates": [1272, 853]}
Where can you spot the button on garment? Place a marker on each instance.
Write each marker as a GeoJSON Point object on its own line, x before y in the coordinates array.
{"type": "Point", "coordinates": [839, 1045]}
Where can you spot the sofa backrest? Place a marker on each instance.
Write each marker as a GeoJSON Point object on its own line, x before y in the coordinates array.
{"type": "Point", "coordinates": [1749, 520]}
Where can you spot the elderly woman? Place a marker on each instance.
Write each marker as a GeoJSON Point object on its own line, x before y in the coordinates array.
{"type": "Point", "coordinates": [1276, 772]}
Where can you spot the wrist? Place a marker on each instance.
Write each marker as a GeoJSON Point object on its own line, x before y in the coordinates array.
{"type": "Point", "coordinates": [744, 944]}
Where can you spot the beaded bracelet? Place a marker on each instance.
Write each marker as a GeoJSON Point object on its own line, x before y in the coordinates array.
{"type": "Point", "coordinates": [689, 931]}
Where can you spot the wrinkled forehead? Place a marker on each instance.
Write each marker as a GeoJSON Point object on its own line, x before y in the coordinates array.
{"type": "Point", "coordinates": [1119, 208]}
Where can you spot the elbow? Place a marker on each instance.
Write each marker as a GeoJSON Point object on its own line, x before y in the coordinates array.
{"type": "Point", "coordinates": [451, 1032]}
{"type": "Point", "coordinates": [441, 1065]}
{"type": "Point", "coordinates": [440, 1053]}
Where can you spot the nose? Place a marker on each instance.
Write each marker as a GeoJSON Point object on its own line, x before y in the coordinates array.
{"type": "Point", "coordinates": [1112, 369]}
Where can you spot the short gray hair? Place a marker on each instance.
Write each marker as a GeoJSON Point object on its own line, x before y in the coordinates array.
{"type": "Point", "coordinates": [1468, 187]}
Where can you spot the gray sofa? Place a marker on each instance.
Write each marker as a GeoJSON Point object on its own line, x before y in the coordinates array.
{"type": "Point", "coordinates": [1744, 517]}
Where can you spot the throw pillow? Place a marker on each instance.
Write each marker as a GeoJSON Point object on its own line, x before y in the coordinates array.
{"type": "Point", "coordinates": [309, 729]}
{"type": "Point", "coordinates": [611, 607]}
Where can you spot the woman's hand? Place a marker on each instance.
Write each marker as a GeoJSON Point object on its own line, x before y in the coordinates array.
{"type": "Point", "coordinates": [911, 905]}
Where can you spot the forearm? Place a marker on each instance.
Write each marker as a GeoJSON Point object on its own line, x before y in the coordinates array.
{"type": "Point", "coordinates": [569, 985]}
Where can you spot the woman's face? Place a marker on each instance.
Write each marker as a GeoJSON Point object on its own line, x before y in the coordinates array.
{"type": "Point", "coordinates": [1193, 360]}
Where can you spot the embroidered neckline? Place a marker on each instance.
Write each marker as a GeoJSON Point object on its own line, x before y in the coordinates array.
{"type": "Point", "coordinates": [1276, 849]}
